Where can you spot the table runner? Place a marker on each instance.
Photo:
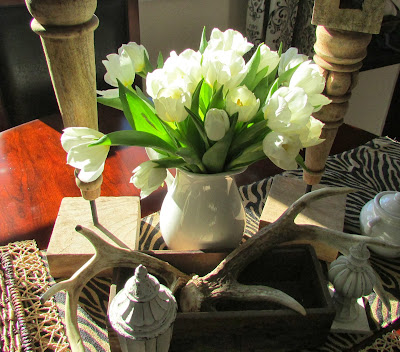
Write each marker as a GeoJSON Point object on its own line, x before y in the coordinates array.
{"type": "Point", "coordinates": [370, 169]}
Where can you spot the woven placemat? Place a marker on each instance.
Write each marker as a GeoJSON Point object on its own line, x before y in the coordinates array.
{"type": "Point", "coordinates": [27, 324]}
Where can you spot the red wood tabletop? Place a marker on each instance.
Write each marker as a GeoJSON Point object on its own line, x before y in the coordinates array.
{"type": "Point", "coordinates": [34, 176]}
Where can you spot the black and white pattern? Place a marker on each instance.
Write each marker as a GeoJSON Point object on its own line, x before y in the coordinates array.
{"type": "Point", "coordinates": [281, 21]}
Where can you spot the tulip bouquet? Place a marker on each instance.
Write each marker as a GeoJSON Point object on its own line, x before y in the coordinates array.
{"type": "Point", "coordinates": [205, 111]}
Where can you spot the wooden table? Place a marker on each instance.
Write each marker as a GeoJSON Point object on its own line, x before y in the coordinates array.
{"type": "Point", "coordinates": [34, 176]}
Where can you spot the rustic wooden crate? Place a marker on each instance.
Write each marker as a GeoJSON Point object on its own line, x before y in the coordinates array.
{"type": "Point", "coordinates": [241, 326]}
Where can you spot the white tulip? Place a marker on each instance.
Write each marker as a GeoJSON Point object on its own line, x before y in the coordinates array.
{"type": "Point", "coordinates": [288, 110]}
{"type": "Point", "coordinates": [88, 159]}
{"type": "Point", "coordinates": [170, 104]}
{"type": "Point", "coordinates": [216, 124]}
{"type": "Point", "coordinates": [268, 58]}
{"type": "Point", "coordinates": [282, 149]}
{"type": "Point", "coordinates": [290, 59]}
{"type": "Point", "coordinates": [308, 77]}
{"type": "Point", "coordinates": [223, 68]}
{"type": "Point", "coordinates": [155, 81]}
{"type": "Point", "coordinates": [230, 40]}
{"type": "Point", "coordinates": [242, 101]}
{"type": "Point", "coordinates": [180, 71]}
{"type": "Point", "coordinates": [153, 155]}
{"type": "Point", "coordinates": [184, 70]}
{"type": "Point", "coordinates": [148, 177]}
{"type": "Point", "coordinates": [119, 67]}
{"type": "Point", "coordinates": [136, 53]}
{"type": "Point", "coordinates": [309, 135]}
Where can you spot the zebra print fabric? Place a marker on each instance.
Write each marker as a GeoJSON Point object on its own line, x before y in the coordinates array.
{"type": "Point", "coordinates": [370, 169]}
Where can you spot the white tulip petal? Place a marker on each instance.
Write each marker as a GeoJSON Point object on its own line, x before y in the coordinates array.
{"type": "Point", "coordinates": [318, 101]}
{"type": "Point", "coordinates": [216, 124]}
{"type": "Point", "coordinates": [242, 101]}
{"type": "Point", "coordinates": [281, 150]}
{"type": "Point", "coordinates": [230, 40]}
{"type": "Point", "coordinates": [268, 58]}
{"type": "Point", "coordinates": [119, 67]}
{"type": "Point", "coordinates": [136, 53]}
{"type": "Point", "coordinates": [88, 159]}
{"type": "Point", "coordinates": [73, 136]}
{"type": "Point", "coordinates": [90, 175]}
{"type": "Point", "coordinates": [109, 93]}
{"type": "Point", "coordinates": [148, 177]}
{"type": "Point", "coordinates": [288, 110]}
{"type": "Point", "coordinates": [291, 58]}
{"type": "Point", "coordinates": [170, 104]}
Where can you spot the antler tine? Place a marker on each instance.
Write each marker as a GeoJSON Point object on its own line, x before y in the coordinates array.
{"type": "Point", "coordinates": [259, 293]}
{"type": "Point", "coordinates": [299, 205]}
{"type": "Point", "coordinates": [340, 240]}
{"type": "Point", "coordinates": [106, 256]}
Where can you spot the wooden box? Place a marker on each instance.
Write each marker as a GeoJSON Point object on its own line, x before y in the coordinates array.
{"type": "Point", "coordinates": [241, 326]}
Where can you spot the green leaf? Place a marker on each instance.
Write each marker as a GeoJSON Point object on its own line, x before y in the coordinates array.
{"type": "Point", "coordinates": [204, 98]}
{"type": "Point", "coordinates": [191, 158]}
{"type": "Point", "coordinates": [280, 49]}
{"type": "Point", "coordinates": [160, 60]}
{"type": "Point", "coordinates": [203, 41]}
{"type": "Point", "coordinates": [214, 158]}
{"type": "Point", "coordinates": [168, 163]}
{"type": "Point", "coordinates": [247, 157]}
{"type": "Point", "coordinates": [148, 67]}
{"type": "Point", "coordinates": [261, 90]}
{"type": "Point", "coordinates": [135, 109]}
{"type": "Point", "coordinates": [196, 97]}
{"type": "Point", "coordinates": [125, 105]}
{"type": "Point", "coordinates": [217, 101]}
{"type": "Point", "coordinates": [135, 138]}
{"type": "Point", "coordinates": [253, 64]}
{"type": "Point", "coordinates": [273, 89]}
{"type": "Point", "coordinates": [287, 75]}
{"type": "Point", "coordinates": [198, 123]}
{"type": "Point", "coordinates": [190, 127]}
{"type": "Point", "coordinates": [145, 98]}
{"type": "Point", "coordinates": [111, 102]}
{"type": "Point", "coordinates": [172, 132]}
{"type": "Point", "coordinates": [259, 76]}
{"type": "Point", "coordinates": [249, 136]}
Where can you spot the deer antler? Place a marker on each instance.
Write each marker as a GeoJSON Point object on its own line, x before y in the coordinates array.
{"type": "Point", "coordinates": [222, 281]}
{"type": "Point", "coordinates": [106, 256]}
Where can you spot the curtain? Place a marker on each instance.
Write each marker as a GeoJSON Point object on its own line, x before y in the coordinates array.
{"type": "Point", "coordinates": [281, 21]}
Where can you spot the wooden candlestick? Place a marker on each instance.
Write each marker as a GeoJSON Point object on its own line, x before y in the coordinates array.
{"type": "Point", "coordinates": [66, 30]}
{"type": "Point", "coordinates": [344, 31]}
{"type": "Point", "coordinates": [90, 190]}
{"type": "Point", "coordinates": [339, 55]}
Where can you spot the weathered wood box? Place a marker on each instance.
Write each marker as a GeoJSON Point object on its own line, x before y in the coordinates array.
{"type": "Point", "coordinates": [241, 326]}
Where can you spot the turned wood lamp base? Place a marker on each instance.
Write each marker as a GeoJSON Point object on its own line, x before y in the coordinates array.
{"type": "Point", "coordinates": [119, 224]}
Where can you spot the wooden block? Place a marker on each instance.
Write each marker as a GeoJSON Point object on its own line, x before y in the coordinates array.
{"type": "Point", "coordinates": [328, 212]}
{"type": "Point", "coordinates": [119, 218]}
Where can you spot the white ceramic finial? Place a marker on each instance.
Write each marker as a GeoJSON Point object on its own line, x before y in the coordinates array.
{"type": "Point", "coordinates": [143, 313]}
{"type": "Point", "coordinates": [352, 277]}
